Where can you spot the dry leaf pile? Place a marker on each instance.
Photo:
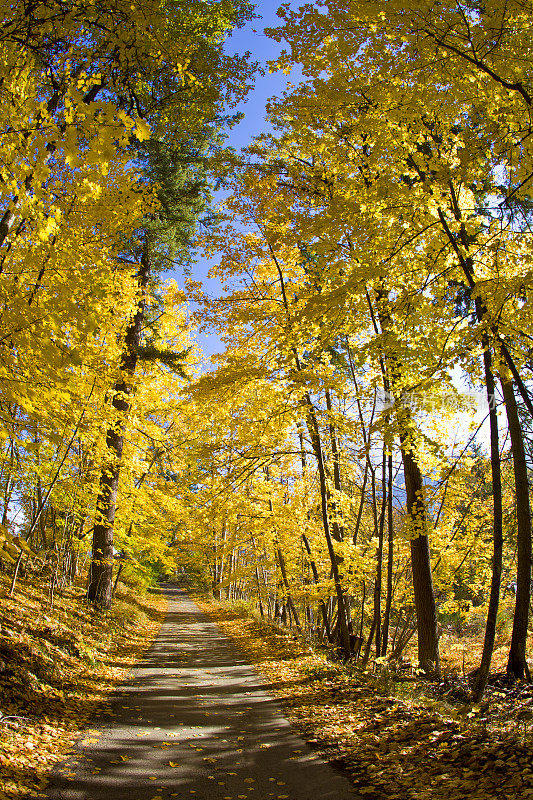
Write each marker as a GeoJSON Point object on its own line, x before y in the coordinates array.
{"type": "Point", "coordinates": [56, 666]}
{"type": "Point", "coordinates": [394, 747]}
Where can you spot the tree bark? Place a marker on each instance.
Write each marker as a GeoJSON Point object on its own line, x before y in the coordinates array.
{"type": "Point", "coordinates": [390, 559]}
{"type": "Point", "coordinates": [100, 586]}
{"type": "Point", "coordinates": [290, 602]}
{"type": "Point", "coordinates": [497, 547]}
{"type": "Point", "coordinates": [517, 664]}
{"type": "Point", "coordinates": [314, 433]}
{"type": "Point", "coordinates": [466, 263]}
{"type": "Point", "coordinates": [426, 612]}
{"type": "Point", "coordinates": [321, 603]}
{"type": "Point", "coordinates": [424, 596]}
{"type": "Point", "coordinates": [317, 450]}
{"type": "Point", "coordinates": [337, 529]}
{"type": "Point", "coordinates": [379, 555]}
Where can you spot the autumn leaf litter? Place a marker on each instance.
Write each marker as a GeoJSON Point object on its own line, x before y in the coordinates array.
{"type": "Point", "coordinates": [419, 747]}
{"type": "Point", "coordinates": [57, 666]}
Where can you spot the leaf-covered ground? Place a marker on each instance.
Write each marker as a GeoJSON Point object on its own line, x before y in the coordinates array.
{"type": "Point", "coordinates": [395, 740]}
{"type": "Point", "coordinates": [57, 664]}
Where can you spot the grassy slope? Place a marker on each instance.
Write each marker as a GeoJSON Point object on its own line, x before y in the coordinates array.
{"type": "Point", "coordinates": [394, 741]}
{"type": "Point", "coordinates": [57, 664]}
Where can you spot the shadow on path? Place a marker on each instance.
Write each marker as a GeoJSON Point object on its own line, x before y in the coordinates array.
{"type": "Point", "coordinates": [194, 722]}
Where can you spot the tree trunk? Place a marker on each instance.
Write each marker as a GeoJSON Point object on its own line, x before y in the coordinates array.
{"type": "Point", "coordinates": [497, 551]}
{"type": "Point", "coordinates": [379, 554]}
{"type": "Point", "coordinates": [322, 605]}
{"type": "Point", "coordinates": [317, 450]}
{"type": "Point", "coordinates": [312, 426]}
{"type": "Point", "coordinates": [390, 560]}
{"type": "Point", "coordinates": [517, 664]}
{"type": "Point", "coordinates": [100, 587]}
{"type": "Point", "coordinates": [368, 647]}
{"type": "Point", "coordinates": [290, 602]}
{"type": "Point", "coordinates": [426, 612]}
{"type": "Point", "coordinates": [337, 529]}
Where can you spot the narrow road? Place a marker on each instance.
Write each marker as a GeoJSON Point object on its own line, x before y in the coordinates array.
{"type": "Point", "coordinates": [194, 722]}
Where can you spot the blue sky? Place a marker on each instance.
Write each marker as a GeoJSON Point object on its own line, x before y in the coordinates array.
{"type": "Point", "coordinates": [249, 38]}
{"type": "Point", "coordinates": [252, 38]}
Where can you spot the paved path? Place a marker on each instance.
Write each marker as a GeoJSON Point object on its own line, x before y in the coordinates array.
{"type": "Point", "coordinates": [194, 722]}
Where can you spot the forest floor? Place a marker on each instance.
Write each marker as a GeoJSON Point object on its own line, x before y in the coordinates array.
{"type": "Point", "coordinates": [193, 722]}
{"type": "Point", "coordinates": [396, 739]}
{"type": "Point", "coordinates": [58, 662]}
{"type": "Point", "coordinates": [393, 738]}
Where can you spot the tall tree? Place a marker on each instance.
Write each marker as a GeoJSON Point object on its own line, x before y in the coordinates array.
{"type": "Point", "coordinates": [174, 168]}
